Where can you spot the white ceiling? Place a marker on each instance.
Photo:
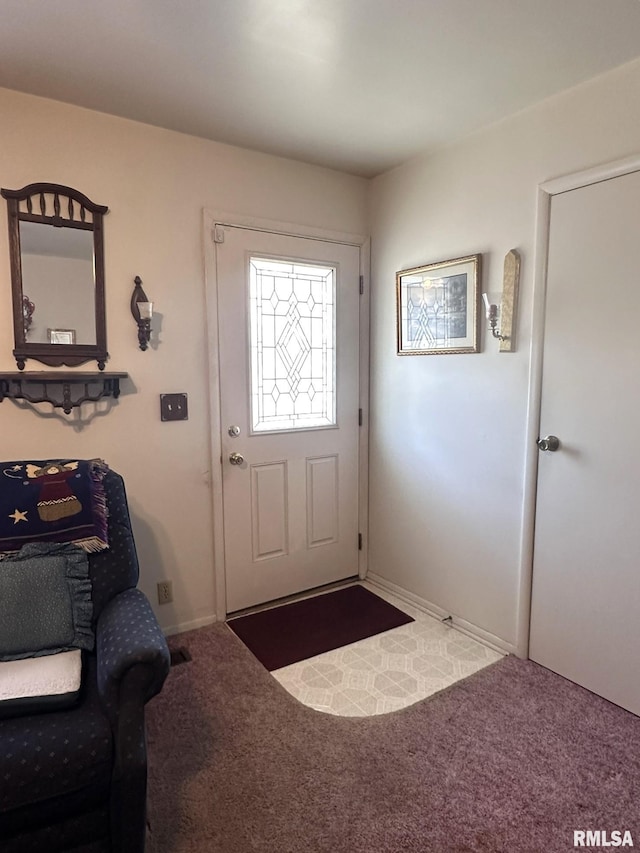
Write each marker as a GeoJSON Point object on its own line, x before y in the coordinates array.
{"type": "Point", "coordinates": [357, 85]}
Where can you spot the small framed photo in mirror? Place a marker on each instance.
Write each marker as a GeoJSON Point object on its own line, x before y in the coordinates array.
{"type": "Point", "coordinates": [62, 336]}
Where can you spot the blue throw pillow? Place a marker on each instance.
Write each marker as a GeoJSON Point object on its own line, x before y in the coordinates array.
{"type": "Point", "coordinates": [45, 601]}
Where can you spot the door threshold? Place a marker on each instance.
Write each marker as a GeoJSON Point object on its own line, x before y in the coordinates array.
{"type": "Point", "coordinates": [299, 596]}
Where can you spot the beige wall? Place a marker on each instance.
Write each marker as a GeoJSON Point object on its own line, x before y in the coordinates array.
{"type": "Point", "coordinates": [156, 184]}
{"type": "Point", "coordinates": [447, 432]}
{"type": "Point", "coordinates": [447, 447]}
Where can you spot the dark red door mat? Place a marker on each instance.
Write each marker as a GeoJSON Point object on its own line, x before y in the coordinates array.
{"type": "Point", "coordinates": [302, 629]}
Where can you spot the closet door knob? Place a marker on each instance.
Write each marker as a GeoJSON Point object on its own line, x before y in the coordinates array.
{"type": "Point", "coordinates": [550, 443]}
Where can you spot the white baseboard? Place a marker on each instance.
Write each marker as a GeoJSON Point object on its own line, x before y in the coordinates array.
{"type": "Point", "coordinates": [373, 580]}
{"type": "Point", "coordinates": [189, 626]}
{"type": "Point", "coordinates": [468, 628]}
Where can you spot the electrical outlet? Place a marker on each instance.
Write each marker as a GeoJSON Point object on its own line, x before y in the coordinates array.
{"type": "Point", "coordinates": [165, 592]}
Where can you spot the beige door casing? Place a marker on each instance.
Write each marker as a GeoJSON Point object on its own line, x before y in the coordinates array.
{"type": "Point", "coordinates": [546, 194]}
{"type": "Point", "coordinates": [262, 472]}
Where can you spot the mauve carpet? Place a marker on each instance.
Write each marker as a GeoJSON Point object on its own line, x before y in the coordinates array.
{"type": "Point", "coordinates": [512, 759]}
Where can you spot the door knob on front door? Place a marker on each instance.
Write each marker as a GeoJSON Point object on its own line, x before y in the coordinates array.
{"type": "Point", "coordinates": [551, 443]}
{"type": "Point", "coordinates": [236, 458]}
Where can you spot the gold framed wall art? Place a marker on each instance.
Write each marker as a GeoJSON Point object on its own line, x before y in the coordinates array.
{"type": "Point", "coordinates": [438, 307]}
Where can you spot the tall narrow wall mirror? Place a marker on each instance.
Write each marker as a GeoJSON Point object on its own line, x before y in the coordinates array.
{"type": "Point", "coordinates": [57, 275]}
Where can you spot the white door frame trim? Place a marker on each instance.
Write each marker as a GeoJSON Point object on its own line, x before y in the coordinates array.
{"type": "Point", "coordinates": [546, 191]}
{"type": "Point", "coordinates": [210, 219]}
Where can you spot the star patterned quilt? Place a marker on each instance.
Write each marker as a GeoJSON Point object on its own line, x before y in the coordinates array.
{"type": "Point", "coordinates": [53, 501]}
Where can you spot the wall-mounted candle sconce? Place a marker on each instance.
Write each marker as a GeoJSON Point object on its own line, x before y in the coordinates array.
{"type": "Point", "coordinates": [502, 308]}
{"type": "Point", "coordinates": [492, 311]}
{"type": "Point", "coordinates": [27, 314]}
{"type": "Point", "coordinates": [142, 311]}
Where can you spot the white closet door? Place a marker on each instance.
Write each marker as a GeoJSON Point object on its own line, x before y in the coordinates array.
{"type": "Point", "coordinates": [585, 621]}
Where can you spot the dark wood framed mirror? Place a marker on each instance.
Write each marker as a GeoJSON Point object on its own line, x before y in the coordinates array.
{"type": "Point", "coordinates": [57, 275]}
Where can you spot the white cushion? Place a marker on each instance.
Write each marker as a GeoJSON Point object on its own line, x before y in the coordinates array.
{"type": "Point", "coordinates": [50, 678]}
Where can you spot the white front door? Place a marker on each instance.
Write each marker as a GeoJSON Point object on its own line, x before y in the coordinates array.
{"type": "Point", "coordinates": [288, 310]}
{"type": "Point", "coordinates": [586, 573]}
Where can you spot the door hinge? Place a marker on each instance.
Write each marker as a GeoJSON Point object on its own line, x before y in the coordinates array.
{"type": "Point", "coordinates": [359, 541]}
{"type": "Point", "coordinates": [361, 285]}
{"type": "Point", "coordinates": [359, 417]}
{"type": "Point", "coordinates": [218, 234]}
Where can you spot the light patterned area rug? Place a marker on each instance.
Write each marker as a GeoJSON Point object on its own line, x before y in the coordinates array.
{"type": "Point", "coordinates": [388, 671]}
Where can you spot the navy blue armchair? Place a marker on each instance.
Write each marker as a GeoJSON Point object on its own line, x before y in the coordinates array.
{"type": "Point", "coordinates": [75, 779]}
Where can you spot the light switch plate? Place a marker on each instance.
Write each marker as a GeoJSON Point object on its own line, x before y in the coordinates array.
{"type": "Point", "coordinates": [173, 407]}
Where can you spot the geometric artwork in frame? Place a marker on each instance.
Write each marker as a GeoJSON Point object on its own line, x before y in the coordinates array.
{"type": "Point", "coordinates": [438, 308]}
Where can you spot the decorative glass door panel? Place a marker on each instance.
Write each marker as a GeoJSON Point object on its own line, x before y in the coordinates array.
{"type": "Point", "coordinates": [292, 339]}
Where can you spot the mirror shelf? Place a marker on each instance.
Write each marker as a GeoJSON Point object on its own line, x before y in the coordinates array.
{"type": "Point", "coordinates": [57, 275]}
{"type": "Point", "coordinates": [64, 390]}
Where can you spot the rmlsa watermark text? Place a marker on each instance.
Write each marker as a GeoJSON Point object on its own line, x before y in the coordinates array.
{"type": "Point", "coordinates": [602, 838]}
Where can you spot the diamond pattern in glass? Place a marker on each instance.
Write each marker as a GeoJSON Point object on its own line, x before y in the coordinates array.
{"type": "Point", "coordinates": [292, 333]}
